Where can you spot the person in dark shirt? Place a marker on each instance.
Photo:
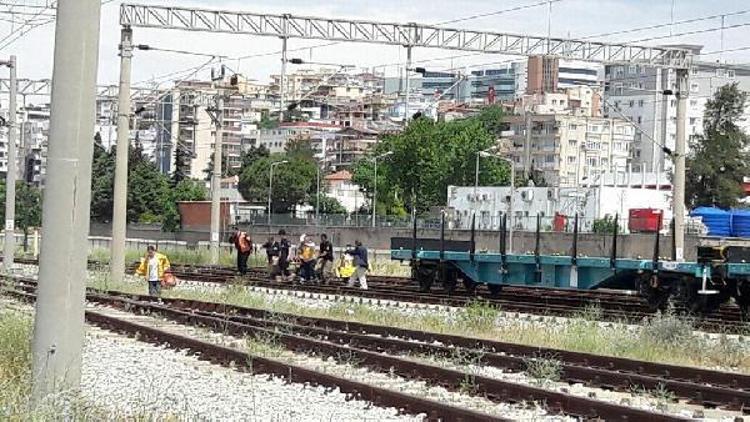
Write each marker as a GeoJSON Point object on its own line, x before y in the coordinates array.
{"type": "Point", "coordinates": [281, 251]}
{"type": "Point", "coordinates": [362, 264]}
{"type": "Point", "coordinates": [270, 254]}
{"type": "Point", "coordinates": [325, 259]}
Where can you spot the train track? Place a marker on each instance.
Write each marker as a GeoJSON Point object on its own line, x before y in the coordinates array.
{"type": "Point", "coordinates": [608, 305]}
{"type": "Point", "coordinates": [380, 348]}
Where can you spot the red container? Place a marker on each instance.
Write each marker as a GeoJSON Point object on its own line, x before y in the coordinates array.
{"type": "Point", "coordinates": [645, 220]}
{"type": "Point", "coordinates": [559, 222]}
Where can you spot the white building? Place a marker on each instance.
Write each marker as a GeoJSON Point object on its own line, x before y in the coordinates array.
{"type": "Point", "coordinates": [490, 203]}
{"type": "Point", "coordinates": [339, 186]}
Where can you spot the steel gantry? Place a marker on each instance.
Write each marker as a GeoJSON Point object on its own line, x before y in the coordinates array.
{"type": "Point", "coordinates": [286, 26]}
{"type": "Point", "coordinates": [408, 35]}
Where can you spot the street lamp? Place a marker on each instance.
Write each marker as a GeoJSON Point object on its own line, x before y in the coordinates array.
{"type": "Point", "coordinates": [485, 153]}
{"type": "Point", "coordinates": [270, 188]}
{"type": "Point", "coordinates": [375, 184]}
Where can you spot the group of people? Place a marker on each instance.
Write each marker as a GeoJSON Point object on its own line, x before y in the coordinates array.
{"type": "Point", "coordinates": [313, 263]}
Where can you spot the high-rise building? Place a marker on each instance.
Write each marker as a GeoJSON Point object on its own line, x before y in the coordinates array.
{"type": "Point", "coordinates": [550, 74]}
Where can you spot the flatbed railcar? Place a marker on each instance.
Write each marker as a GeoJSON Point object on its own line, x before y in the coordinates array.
{"type": "Point", "coordinates": [720, 273]}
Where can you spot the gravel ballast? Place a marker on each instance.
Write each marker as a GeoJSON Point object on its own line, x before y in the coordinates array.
{"type": "Point", "coordinates": [131, 377]}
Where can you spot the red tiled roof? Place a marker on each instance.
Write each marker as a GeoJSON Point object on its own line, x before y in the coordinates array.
{"type": "Point", "coordinates": [342, 175]}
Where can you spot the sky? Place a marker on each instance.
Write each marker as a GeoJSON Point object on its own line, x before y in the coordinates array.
{"type": "Point", "coordinates": [570, 18]}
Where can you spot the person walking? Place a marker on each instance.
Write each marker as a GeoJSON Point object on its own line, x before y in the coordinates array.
{"type": "Point", "coordinates": [244, 246]}
{"type": "Point", "coordinates": [325, 259]}
{"type": "Point", "coordinates": [270, 256]}
{"type": "Point", "coordinates": [280, 254]}
{"type": "Point", "coordinates": [153, 267]}
{"type": "Point", "coordinates": [362, 264]}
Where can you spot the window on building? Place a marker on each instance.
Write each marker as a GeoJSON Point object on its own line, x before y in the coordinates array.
{"type": "Point", "coordinates": [550, 158]}
{"type": "Point", "coordinates": [640, 103]}
{"type": "Point", "coordinates": [692, 120]}
{"type": "Point", "coordinates": [632, 69]}
{"type": "Point", "coordinates": [554, 102]}
{"type": "Point", "coordinates": [572, 126]}
{"type": "Point", "coordinates": [562, 102]}
{"type": "Point", "coordinates": [571, 159]}
{"type": "Point", "coordinates": [731, 73]}
{"type": "Point", "coordinates": [693, 103]}
{"type": "Point", "coordinates": [673, 103]}
{"type": "Point", "coordinates": [693, 87]}
{"type": "Point", "coordinates": [592, 161]}
{"type": "Point", "coordinates": [631, 104]}
{"type": "Point", "coordinates": [572, 143]}
{"type": "Point", "coordinates": [637, 153]}
{"type": "Point", "coordinates": [639, 120]}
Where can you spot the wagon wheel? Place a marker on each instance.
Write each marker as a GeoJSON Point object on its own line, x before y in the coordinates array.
{"type": "Point", "coordinates": [425, 278]}
{"type": "Point", "coordinates": [470, 285]}
{"type": "Point", "coordinates": [495, 289]}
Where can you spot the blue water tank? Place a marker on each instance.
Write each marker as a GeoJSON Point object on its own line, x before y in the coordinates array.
{"type": "Point", "coordinates": [718, 221]}
{"type": "Point", "coordinates": [741, 223]}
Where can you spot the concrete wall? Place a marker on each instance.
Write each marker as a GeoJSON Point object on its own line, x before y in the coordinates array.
{"type": "Point", "coordinates": [630, 246]}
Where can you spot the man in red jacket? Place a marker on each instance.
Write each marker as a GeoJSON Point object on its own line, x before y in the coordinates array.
{"type": "Point", "coordinates": [244, 246]}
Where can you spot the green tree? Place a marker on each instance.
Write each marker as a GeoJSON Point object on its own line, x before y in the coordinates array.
{"type": "Point", "coordinates": [718, 159]}
{"type": "Point", "coordinates": [492, 119]}
{"type": "Point", "coordinates": [182, 158]}
{"type": "Point", "coordinates": [330, 205]}
{"type": "Point", "coordinates": [28, 207]}
{"type": "Point", "coordinates": [186, 190]}
{"type": "Point", "coordinates": [293, 182]}
{"type": "Point", "coordinates": [267, 123]}
{"type": "Point", "coordinates": [147, 189]}
{"type": "Point", "coordinates": [430, 156]}
{"type": "Point", "coordinates": [253, 154]}
{"type": "Point", "coordinates": [102, 184]}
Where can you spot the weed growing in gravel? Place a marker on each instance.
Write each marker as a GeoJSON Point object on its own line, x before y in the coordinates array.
{"type": "Point", "coordinates": [264, 344]}
{"type": "Point", "coordinates": [543, 370]}
{"type": "Point", "coordinates": [668, 330]}
{"type": "Point", "coordinates": [478, 315]}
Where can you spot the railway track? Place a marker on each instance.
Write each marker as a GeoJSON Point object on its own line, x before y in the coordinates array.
{"type": "Point", "coordinates": [610, 305]}
{"type": "Point", "coordinates": [381, 348]}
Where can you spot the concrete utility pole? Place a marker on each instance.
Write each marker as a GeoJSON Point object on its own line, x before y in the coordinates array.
{"type": "Point", "coordinates": [174, 130]}
{"type": "Point", "coordinates": [282, 81]}
{"type": "Point", "coordinates": [10, 175]}
{"type": "Point", "coordinates": [120, 203]}
{"type": "Point", "coordinates": [678, 197]}
{"type": "Point", "coordinates": [58, 325]}
{"type": "Point", "coordinates": [407, 96]}
{"type": "Point", "coordinates": [216, 179]}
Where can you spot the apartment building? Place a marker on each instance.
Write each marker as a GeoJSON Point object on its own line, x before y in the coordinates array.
{"type": "Point", "coordinates": [637, 92]}
{"type": "Point", "coordinates": [568, 149]}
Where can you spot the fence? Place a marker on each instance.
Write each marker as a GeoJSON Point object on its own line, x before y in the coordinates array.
{"type": "Point", "coordinates": [462, 221]}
